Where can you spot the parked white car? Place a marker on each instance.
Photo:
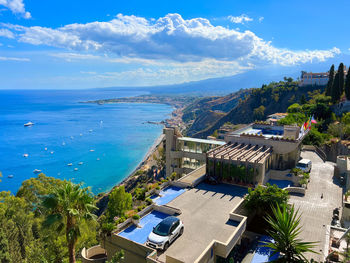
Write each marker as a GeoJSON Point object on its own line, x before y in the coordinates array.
{"type": "Point", "coordinates": [165, 233]}
{"type": "Point", "coordinates": [305, 165]}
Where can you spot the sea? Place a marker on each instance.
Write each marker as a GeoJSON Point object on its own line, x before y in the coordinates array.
{"type": "Point", "coordinates": [97, 145]}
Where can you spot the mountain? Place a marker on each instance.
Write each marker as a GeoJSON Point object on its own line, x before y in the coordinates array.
{"type": "Point", "coordinates": [248, 106]}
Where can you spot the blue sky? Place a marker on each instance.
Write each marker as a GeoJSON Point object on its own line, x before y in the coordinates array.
{"type": "Point", "coordinates": [86, 44]}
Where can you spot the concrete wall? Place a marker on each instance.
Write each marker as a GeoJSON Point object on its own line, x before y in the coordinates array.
{"type": "Point", "coordinates": [93, 251]}
{"type": "Point", "coordinates": [134, 252]}
{"type": "Point", "coordinates": [279, 146]}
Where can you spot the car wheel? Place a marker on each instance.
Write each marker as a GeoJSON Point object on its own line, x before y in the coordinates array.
{"type": "Point", "coordinates": [181, 231]}
{"type": "Point", "coordinates": [166, 246]}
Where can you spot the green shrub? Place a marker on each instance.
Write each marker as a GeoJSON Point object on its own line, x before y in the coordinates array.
{"type": "Point", "coordinates": [148, 201]}
{"type": "Point", "coordinates": [136, 217]}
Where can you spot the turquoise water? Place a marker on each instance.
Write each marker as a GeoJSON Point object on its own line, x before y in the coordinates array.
{"type": "Point", "coordinates": [109, 140]}
{"type": "Point", "coordinates": [168, 194]}
{"type": "Point", "coordinates": [280, 183]}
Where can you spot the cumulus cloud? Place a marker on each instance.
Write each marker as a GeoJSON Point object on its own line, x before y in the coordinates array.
{"type": "Point", "coordinates": [240, 19]}
{"type": "Point", "coordinates": [16, 7]}
{"type": "Point", "coordinates": [261, 19]}
{"type": "Point", "coordinates": [14, 59]}
{"type": "Point", "coordinates": [132, 39]}
{"type": "Point", "coordinates": [6, 33]}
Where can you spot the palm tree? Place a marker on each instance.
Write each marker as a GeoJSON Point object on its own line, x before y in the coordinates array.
{"type": "Point", "coordinates": [285, 229]}
{"type": "Point", "coordinates": [66, 206]}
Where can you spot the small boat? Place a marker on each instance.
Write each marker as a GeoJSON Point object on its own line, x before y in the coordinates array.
{"type": "Point", "coordinates": [63, 143]}
{"type": "Point", "coordinates": [25, 155]}
{"type": "Point", "coordinates": [52, 152]}
{"type": "Point", "coordinates": [36, 171]}
{"type": "Point", "coordinates": [70, 164]}
{"type": "Point", "coordinates": [10, 176]}
{"type": "Point", "coordinates": [75, 169]}
{"type": "Point", "coordinates": [98, 159]}
{"type": "Point", "coordinates": [81, 134]}
{"type": "Point", "coordinates": [28, 124]}
{"type": "Point", "coordinates": [92, 150]}
{"type": "Point", "coordinates": [90, 130]}
{"type": "Point", "coordinates": [80, 163]}
{"type": "Point", "coordinates": [72, 137]}
{"type": "Point", "coordinates": [45, 149]}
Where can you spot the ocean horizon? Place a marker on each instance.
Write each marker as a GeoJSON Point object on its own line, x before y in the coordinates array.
{"type": "Point", "coordinates": [99, 145]}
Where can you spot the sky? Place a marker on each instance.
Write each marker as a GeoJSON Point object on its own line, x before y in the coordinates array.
{"type": "Point", "coordinates": [86, 44]}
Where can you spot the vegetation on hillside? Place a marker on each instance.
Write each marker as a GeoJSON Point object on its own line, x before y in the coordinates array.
{"type": "Point", "coordinates": [25, 237]}
{"type": "Point", "coordinates": [258, 103]}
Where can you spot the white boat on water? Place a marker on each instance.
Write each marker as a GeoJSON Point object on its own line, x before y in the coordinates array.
{"type": "Point", "coordinates": [92, 150]}
{"type": "Point", "coordinates": [10, 176]}
{"type": "Point", "coordinates": [25, 155]}
{"type": "Point", "coordinates": [52, 152]}
{"type": "Point", "coordinates": [28, 124]}
{"type": "Point", "coordinates": [36, 171]}
{"type": "Point", "coordinates": [75, 169]}
{"type": "Point", "coordinates": [70, 164]}
{"type": "Point", "coordinates": [80, 163]}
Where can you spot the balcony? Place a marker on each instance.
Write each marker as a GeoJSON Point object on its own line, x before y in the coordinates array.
{"type": "Point", "coordinates": [94, 254]}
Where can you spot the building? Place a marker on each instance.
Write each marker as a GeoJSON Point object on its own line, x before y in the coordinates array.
{"type": "Point", "coordinates": [317, 79]}
{"type": "Point", "coordinates": [185, 154]}
{"type": "Point", "coordinates": [255, 149]}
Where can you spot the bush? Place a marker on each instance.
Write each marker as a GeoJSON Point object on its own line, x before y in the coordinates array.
{"type": "Point", "coordinates": [136, 217]}
{"type": "Point", "coordinates": [140, 193]}
{"type": "Point", "coordinates": [148, 201]}
{"type": "Point", "coordinates": [296, 171]}
{"type": "Point", "coordinates": [262, 198]}
{"type": "Point", "coordinates": [303, 181]}
{"type": "Point", "coordinates": [314, 137]}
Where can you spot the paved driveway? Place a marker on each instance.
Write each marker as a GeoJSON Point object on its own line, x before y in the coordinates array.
{"type": "Point", "coordinates": [316, 211]}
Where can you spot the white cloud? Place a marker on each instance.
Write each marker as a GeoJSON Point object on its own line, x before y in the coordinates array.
{"type": "Point", "coordinates": [14, 59]}
{"type": "Point", "coordinates": [163, 51]}
{"type": "Point", "coordinates": [6, 33]}
{"type": "Point", "coordinates": [74, 56]}
{"type": "Point", "coordinates": [16, 7]}
{"type": "Point", "coordinates": [167, 38]}
{"type": "Point", "coordinates": [240, 19]}
{"type": "Point", "coordinates": [261, 19]}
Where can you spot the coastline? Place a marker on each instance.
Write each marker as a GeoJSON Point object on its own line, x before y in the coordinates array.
{"type": "Point", "coordinates": [148, 160]}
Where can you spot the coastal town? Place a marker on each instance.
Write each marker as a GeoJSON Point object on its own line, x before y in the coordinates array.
{"type": "Point", "coordinates": [210, 178]}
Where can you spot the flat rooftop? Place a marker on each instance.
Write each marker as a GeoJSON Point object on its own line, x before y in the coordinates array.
{"type": "Point", "coordinates": [205, 214]}
{"type": "Point", "coordinates": [189, 139]}
{"type": "Point", "coordinates": [267, 131]}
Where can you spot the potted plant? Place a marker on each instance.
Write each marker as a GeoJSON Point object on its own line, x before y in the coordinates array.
{"type": "Point", "coordinates": [347, 194]}
{"type": "Point", "coordinates": [303, 182]}
{"type": "Point", "coordinates": [136, 219]}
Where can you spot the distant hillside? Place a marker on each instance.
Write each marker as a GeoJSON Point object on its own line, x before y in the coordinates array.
{"type": "Point", "coordinates": [203, 112]}
{"type": "Point", "coordinates": [257, 105]}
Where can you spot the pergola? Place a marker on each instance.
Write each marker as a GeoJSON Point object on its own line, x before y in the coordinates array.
{"type": "Point", "coordinates": [248, 155]}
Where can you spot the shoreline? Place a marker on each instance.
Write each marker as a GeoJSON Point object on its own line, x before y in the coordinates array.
{"type": "Point", "coordinates": [143, 162]}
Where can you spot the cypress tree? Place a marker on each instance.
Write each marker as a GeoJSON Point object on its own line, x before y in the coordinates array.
{"type": "Point", "coordinates": [341, 79]}
{"type": "Point", "coordinates": [347, 85]}
{"type": "Point", "coordinates": [330, 81]}
{"type": "Point", "coordinates": [335, 92]}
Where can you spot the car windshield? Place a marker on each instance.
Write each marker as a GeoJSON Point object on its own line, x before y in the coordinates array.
{"type": "Point", "coordinates": [161, 229]}
{"type": "Point", "coordinates": [303, 165]}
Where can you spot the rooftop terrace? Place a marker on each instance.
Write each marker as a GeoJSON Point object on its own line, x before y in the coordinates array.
{"type": "Point", "coordinates": [205, 214]}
